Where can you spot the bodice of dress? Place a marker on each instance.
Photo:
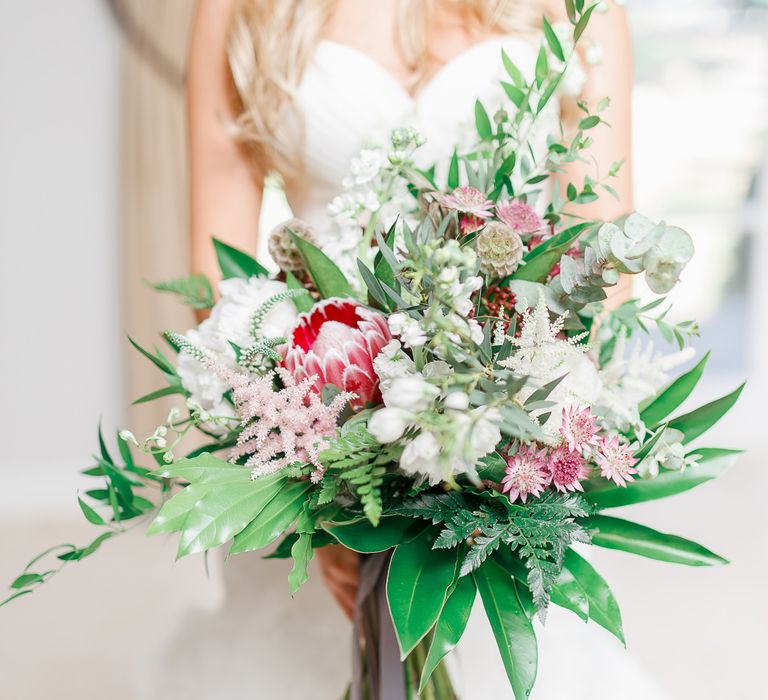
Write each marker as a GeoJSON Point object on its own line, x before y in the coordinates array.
{"type": "Point", "coordinates": [349, 101]}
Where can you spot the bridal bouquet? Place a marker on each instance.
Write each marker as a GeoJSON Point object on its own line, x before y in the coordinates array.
{"type": "Point", "coordinates": [448, 395]}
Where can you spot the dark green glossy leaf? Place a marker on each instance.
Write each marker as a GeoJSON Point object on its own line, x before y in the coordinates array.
{"type": "Point", "coordinates": [302, 552]}
{"type": "Point", "coordinates": [712, 463]}
{"type": "Point", "coordinates": [328, 278]}
{"type": "Point", "coordinates": [568, 594]}
{"type": "Point", "coordinates": [603, 608]}
{"type": "Point", "coordinates": [673, 396]}
{"type": "Point", "coordinates": [206, 468]}
{"type": "Point", "coordinates": [627, 536]}
{"type": "Point", "coordinates": [539, 262]}
{"type": "Point", "coordinates": [276, 517]}
{"type": "Point", "coordinates": [703, 418]}
{"type": "Point", "coordinates": [450, 626]}
{"type": "Point", "coordinates": [511, 627]}
{"type": "Point", "coordinates": [417, 586]}
{"type": "Point", "coordinates": [236, 263]}
{"type": "Point", "coordinates": [362, 536]}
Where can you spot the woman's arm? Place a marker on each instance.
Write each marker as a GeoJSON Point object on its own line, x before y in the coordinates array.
{"type": "Point", "coordinates": [612, 77]}
{"type": "Point", "coordinates": [225, 194]}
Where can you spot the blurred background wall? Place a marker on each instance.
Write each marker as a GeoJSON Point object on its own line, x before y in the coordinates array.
{"type": "Point", "coordinates": [92, 202]}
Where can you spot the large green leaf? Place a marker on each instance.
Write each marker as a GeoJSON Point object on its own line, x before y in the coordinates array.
{"type": "Point", "coordinates": [417, 585]}
{"type": "Point", "coordinates": [236, 263]}
{"type": "Point", "coordinates": [274, 519]}
{"type": "Point", "coordinates": [206, 468]}
{"type": "Point", "coordinates": [174, 512]}
{"type": "Point", "coordinates": [328, 278]}
{"type": "Point", "coordinates": [450, 626]}
{"type": "Point", "coordinates": [514, 633]}
{"type": "Point", "coordinates": [711, 464]}
{"type": "Point", "coordinates": [603, 608]}
{"type": "Point", "coordinates": [674, 395]}
{"type": "Point", "coordinates": [540, 261]}
{"type": "Point", "coordinates": [568, 593]}
{"type": "Point", "coordinates": [627, 536]}
{"type": "Point", "coordinates": [361, 536]}
{"type": "Point", "coordinates": [224, 511]}
{"type": "Point", "coordinates": [703, 418]}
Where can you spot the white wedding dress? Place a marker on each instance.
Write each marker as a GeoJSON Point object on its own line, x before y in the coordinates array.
{"type": "Point", "coordinates": [261, 643]}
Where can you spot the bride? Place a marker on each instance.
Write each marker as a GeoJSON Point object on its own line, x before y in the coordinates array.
{"type": "Point", "coordinates": [297, 87]}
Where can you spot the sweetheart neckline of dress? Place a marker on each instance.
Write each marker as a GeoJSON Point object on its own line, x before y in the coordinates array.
{"type": "Point", "coordinates": [437, 76]}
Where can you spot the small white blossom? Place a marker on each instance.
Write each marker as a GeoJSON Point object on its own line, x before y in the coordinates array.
{"type": "Point", "coordinates": [388, 424]}
{"type": "Point", "coordinates": [409, 329]}
{"type": "Point", "coordinates": [421, 458]}
{"type": "Point", "coordinates": [457, 401]}
{"type": "Point", "coordinates": [411, 393]}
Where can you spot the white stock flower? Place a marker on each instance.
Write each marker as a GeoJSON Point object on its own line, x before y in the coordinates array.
{"type": "Point", "coordinates": [388, 424]}
{"type": "Point", "coordinates": [421, 457]}
{"type": "Point", "coordinates": [457, 401]}
{"type": "Point", "coordinates": [392, 362]}
{"type": "Point", "coordinates": [412, 393]}
{"type": "Point", "coordinates": [409, 329]}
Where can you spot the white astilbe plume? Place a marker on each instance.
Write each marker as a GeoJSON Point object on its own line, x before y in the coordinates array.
{"type": "Point", "coordinates": [629, 378]}
{"type": "Point", "coordinates": [542, 354]}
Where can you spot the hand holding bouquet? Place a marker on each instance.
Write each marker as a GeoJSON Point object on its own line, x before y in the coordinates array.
{"type": "Point", "coordinates": [448, 397]}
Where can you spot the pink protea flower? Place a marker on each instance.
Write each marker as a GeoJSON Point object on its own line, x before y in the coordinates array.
{"type": "Point", "coordinates": [527, 473]}
{"type": "Point", "coordinates": [578, 428]}
{"type": "Point", "coordinates": [336, 343]}
{"type": "Point", "coordinates": [469, 224]}
{"type": "Point", "coordinates": [468, 200]}
{"type": "Point", "coordinates": [615, 460]}
{"type": "Point", "coordinates": [567, 469]}
{"type": "Point", "coordinates": [519, 216]}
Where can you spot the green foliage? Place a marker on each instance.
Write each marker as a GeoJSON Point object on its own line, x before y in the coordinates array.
{"type": "Point", "coordinates": [511, 627]}
{"type": "Point", "coordinates": [450, 626]}
{"type": "Point", "coordinates": [697, 422]}
{"type": "Point", "coordinates": [538, 532]}
{"type": "Point", "coordinates": [361, 536]}
{"type": "Point", "coordinates": [194, 290]}
{"type": "Point", "coordinates": [673, 396]}
{"type": "Point", "coordinates": [328, 278]}
{"type": "Point", "coordinates": [236, 263]}
{"type": "Point", "coordinates": [417, 586]}
{"type": "Point", "coordinates": [615, 533]}
{"type": "Point", "coordinates": [603, 608]}
{"type": "Point", "coordinates": [357, 461]}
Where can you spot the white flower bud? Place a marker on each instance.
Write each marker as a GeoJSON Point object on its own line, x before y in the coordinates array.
{"type": "Point", "coordinates": [388, 424]}
{"type": "Point", "coordinates": [457, 400]}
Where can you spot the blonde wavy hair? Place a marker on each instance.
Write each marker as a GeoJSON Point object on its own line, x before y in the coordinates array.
{"type": "Point", "coordinates": [271, 42]}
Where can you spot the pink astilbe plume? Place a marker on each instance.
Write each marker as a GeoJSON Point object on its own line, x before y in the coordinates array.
{"type": "Point", "coordinates": [279, 426]}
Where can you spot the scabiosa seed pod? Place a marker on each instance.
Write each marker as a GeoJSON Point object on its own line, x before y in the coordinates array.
{"type": "Point", "coordinates": [282, 247]}
{"type": "Point", "coordinates": [499, 249]}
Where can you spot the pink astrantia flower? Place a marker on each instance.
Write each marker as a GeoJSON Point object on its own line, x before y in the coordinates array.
{"type": "Point", "coordinates": [527, 473]}
{"type": "Point", "coordinates": [578, 428]}
{"type": "Point", "coordinates": [336, 343]}
{"type": "Point", "coordinates": [469, 224]}
{"type": "Point", "coordinates": [468, 200]}
{"type": "Point", "coordinates": [567, 469]}
{"type": "Point", "coordinates": [615, 460]}
{"type": "Point", "coordinates": [519, 216]}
